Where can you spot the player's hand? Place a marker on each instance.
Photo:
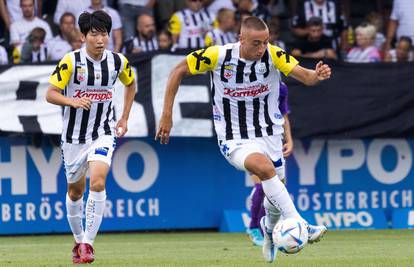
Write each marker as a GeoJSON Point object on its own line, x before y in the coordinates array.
{"type": "Point", "coordinates": [121, 127]}
{"type": "Point", "coordinates": [164, 129]}
{"type": "Point", "coordinates": [323, 71]}
{"type": "Point", "coordinates": [83, 102]}
{"type": "Point", "coordinates": [287, 149]}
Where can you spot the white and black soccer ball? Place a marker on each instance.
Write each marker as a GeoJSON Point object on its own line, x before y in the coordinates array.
{"type": "Point", "coordinates": [290, 235]}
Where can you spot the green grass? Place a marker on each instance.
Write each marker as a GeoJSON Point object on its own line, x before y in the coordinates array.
{"type": "Point", "coordinates": [338, 248]}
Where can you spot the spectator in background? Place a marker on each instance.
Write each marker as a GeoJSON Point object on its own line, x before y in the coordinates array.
{"type": "Point", "coordinates": [4, 58]}
{"type": "Point", "coordinates": [70, 6]}
{"type": "Point", "coordinates": [59, 45]}
{"type": "Point", "coordinates": [254, 7]}
{"type": "Point", "coordinates": [145, 39]}
{"type": "Point", "coordinates": [189, 26]}
{"type": "Point", "coordinates": [335, 25]}
{"type": "Point", "coordinates": [403, 51]}
{"type": "Point", "coordinates": [213, 6]}
{"type": "Point", "coordinates": [224, 33]}
{"type": "Point", "coordinates": [164, 9]}
{"type": "Point", "coordinates": [376, 20]}
{"type": "Point", "coordinates": [34, 50]}
{"type": "Point", "coordinates": [75, 39]}
{"type": "Point", "coordinates": [11, 11]}
{"type": "Point", "coordinates": [401, 21]}
{"type": "Point", "coordinates": [365, 51]}
{"type": "Point", "coordinates": [164, 40]}
{"type": "Point", "coordinates": [130, 10]}
{"type": "Point", "coordinates": [315, 44]}
{"type": "Point", "coordinates": [274, 33]}
{"type": "Point", "coordinates": [115, 36]}
{"type": "Point", "coordinates": [20, 29]}
{"type": "Point", "coordinates": [240, 16]}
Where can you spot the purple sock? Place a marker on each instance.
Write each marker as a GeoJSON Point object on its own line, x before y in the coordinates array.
{"type": "Point", "coordinates": [257, 205]}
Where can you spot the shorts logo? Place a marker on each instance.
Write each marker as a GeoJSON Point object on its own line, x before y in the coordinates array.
{"type": "Point", "coordinates": [102, 151]}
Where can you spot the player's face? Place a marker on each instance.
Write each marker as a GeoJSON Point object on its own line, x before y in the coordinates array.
{"type": "Point", "coordinates": [96, 42]}
{"type": "Point", "coordinates": [27, 8]}
{"type": "Point", "coordinates": [254, 43]}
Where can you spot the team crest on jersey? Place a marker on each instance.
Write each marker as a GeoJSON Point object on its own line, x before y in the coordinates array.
{"type": "Point", "coordinates": [261, 68]}
{"type": "Point", "coordinates": [114, 73]}
{"type": "Point", "coordinates": [80, 74]}
{"type": "Point", "coordinates": [228, 71]}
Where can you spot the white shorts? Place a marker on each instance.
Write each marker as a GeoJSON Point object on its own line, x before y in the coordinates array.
{"type": "Point", "coordinates": [236, 151]}
{"type": "Point", "coordinates": [76, 156]}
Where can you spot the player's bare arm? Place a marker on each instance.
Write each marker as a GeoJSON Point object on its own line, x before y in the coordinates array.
{"type": "Point", "coordinates": [54, 96]}
{"type": "Point", "coordinates": [174, 80]}
{"type": "Point", "coordinates": [122, 124]}
{"type": "Point", "coordinates": [311, 77]}
{"type": "Point", "coordinates": [288, 145]}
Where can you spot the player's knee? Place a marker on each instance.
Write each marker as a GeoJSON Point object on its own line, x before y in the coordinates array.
{"type": "Point", "coordinates": [97, 185]}
{"type": "Point", "coordinates": [265, 171]}
{"type": "Point", "coordinates": [75, 193]}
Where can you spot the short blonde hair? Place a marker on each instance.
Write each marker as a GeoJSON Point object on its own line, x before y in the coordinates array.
{"type": "Point", "coordinates": [367, 30]}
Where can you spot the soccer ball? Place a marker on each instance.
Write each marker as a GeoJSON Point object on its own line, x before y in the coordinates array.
{"type": "Point", "coordinates": [290, 235]}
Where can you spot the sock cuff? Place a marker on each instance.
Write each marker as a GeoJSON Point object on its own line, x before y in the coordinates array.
{"type": "Point", "coordinates": [73, 203]}
{"type": "Point", "coordinates": [270, 181]}
{"type": "Point", "coordinates": [97, 196]}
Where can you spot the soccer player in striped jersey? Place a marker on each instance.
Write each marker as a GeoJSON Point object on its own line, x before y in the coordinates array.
{"type": "Point", "coordinates": [224, 33]}
{"type": "Point", "coordinates": [83, 82]}
{"type": "Point", "coordinates": [245, 89]}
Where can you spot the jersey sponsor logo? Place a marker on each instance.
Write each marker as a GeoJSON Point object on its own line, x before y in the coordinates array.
{"type": "Point", "coordinates": [58, 69]}
{"type": "Point", "coordinates": [247, 91]}
{"type": "Point", "coordinates": [102, 151]}
{"type": "Point", "coordinates": [200, 58]}
{"type": "Point", "coordinates": [97, 95]}
{"type": "Point", "coordinates": [281, 53]}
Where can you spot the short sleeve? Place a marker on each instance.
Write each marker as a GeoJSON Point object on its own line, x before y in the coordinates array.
{"type": "Point", "coordinates": [282, 60]}
{"type": "Point", "coordinates": [203, 60]}
{"type": "Point", "coordinates": [127, 75]}
{"type": "Point", "coordinates": [62, 73]}
{"type": "Point", "coordinates": [175, 24]}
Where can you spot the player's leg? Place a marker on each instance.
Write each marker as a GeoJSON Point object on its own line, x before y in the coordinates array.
{"type": "Point", "coordinates": [99, 159]}
{"type": "Point", "coordinates": [94, 209]}
{"type": "Point", "coordinates": [276, 192]}
{"type": "Point", "coordinates": [74, 160]}
{"type": "Point", "coordinates": [256, 208]}
{"type": "Point", "coordinates": [74, 213]}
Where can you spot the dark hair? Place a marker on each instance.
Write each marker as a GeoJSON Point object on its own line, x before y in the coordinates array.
{"type": "Point", "coordinates": [254, 23]}
{"type": "Point", "coordinates": [66, 14]}
{"type": "Point", "coordinates": [406, 39]}
{"type": "Point", "coordinates": [314, 21]}
{"type": "Point", "coordinates": [98, 20]}
{"type": "Point", "coordinates": [37, 34]}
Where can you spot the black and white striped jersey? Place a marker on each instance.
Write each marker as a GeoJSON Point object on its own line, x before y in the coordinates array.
{"type": "Point", "coordinates": [139, 44]}
{"type": "Point", "coordinates": [78, 75]}
{"type": "Point", "coordinates": [41, 55]}
{"type": "Point", "coordinates": [218, 37]}
{"type": "Point", "coordinates": [191, 27]}
{"type": "Point", "coordinates": [245, 93]}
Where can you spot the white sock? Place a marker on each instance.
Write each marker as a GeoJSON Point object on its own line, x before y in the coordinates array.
{"type": "Point", "coordinates": [74, 213]}
{"type": "Point", "coordinates": [94, 211]}
{"type": "Point", "coordinates": [278, 195]}
{"type": "Point", "coordinates": [273, 215]}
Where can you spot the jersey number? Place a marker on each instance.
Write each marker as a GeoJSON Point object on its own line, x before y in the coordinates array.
{"type": "Point", "coordinates": [200, 58]}
{"type": "Point", "coordinates": [58, 69]}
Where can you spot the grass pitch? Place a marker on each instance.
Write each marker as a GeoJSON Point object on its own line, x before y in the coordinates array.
{"type": "Point", "coordinates": [338, 248]}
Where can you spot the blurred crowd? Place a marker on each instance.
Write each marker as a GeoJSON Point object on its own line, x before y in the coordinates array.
{"type": "Point", "coordinates": [354, 31]}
